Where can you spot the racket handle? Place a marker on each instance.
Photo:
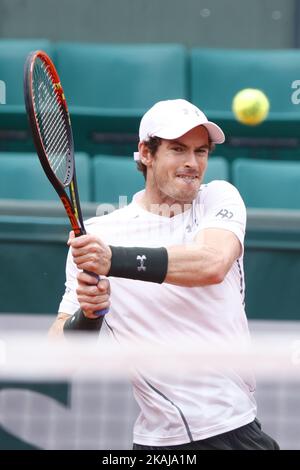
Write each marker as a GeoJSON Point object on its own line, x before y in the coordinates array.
{"type": "Point", "coordinates": [104, 311]}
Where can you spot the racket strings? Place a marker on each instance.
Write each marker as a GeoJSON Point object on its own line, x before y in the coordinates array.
{"type": "Point", "coordinates": [55, 134]}
{"type": "Point", "coordinates": [51, 119]}
{"type": "Point", "coordinates": [51, 125]}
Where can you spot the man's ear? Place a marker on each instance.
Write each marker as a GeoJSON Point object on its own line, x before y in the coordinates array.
{"type": "Point", "coordinates": [145, 155]}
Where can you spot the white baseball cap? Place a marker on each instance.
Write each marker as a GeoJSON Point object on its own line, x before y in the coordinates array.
{"type": "Point", "coordinates": [171, 119]}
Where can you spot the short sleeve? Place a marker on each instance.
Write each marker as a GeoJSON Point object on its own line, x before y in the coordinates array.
{"type": "Point", "coordinates": [223, 208]}
{"type": "Point", "coordinates": [69, 303]}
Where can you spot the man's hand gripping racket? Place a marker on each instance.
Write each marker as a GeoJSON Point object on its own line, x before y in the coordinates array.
{"type": "Point", "coordinates": [50, 123]}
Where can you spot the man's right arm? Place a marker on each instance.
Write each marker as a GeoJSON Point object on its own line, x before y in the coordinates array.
{"type": "Point", "coordinates": [56, 329]}
{"type": "Point", "coordinates": [92, 295]}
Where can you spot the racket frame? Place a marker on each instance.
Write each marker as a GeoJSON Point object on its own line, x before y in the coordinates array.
{"type": "Point", "coordinates": [71, 203]}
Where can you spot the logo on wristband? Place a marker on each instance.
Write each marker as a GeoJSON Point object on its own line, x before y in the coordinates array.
{"type": "Point", "coordinates": [141, 259]}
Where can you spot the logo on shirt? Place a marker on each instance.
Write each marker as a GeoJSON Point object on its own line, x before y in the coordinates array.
{"type": "Point", "coordinates": [141, 259]}
{"type": "Point", "coordinates": [225, 214]}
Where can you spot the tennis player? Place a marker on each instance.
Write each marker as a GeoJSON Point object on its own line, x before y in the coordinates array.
{"type": "Point", "coordinates": [174, 259]}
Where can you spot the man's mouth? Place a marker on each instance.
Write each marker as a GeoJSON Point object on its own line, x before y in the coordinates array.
{"type": "Point", "coordinates": [188, 178]}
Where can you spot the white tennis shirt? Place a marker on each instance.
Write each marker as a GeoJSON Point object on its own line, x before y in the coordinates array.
{"type": "Point", "coordinates": [188, 408]}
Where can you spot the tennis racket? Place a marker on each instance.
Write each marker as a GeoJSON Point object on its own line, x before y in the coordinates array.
{"type": "Point", "coordinates": [50, 123]}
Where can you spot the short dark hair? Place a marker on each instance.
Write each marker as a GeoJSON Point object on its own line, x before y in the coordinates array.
{"type": "Point", "coordinates": [153, 143]}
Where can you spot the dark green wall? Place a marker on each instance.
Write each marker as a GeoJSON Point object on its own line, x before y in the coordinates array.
{"type": "Point", "coordinates": [215, 23]}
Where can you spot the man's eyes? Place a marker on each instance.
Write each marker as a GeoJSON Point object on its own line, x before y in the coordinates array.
{"type": "Point", "coordinates": [201, 151]}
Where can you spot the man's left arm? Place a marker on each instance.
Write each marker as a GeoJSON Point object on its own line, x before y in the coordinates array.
{"type": "Point", "coordinates": [204, 262]}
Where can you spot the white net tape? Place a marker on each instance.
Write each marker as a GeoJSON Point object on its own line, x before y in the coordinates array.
{"type": "Point", "coordinates": [36, 356]}
{"type": "Point", "coordinates": [87, 403]}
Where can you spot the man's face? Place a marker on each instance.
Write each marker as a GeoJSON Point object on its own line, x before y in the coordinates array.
{"type": "Point", "coordinates": [176, 171]}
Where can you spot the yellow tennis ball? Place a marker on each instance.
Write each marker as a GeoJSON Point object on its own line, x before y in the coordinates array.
{"type": "Point", "coordinates": [250, 106]}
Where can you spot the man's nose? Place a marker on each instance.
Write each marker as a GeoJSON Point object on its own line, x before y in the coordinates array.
{"type": "Point", "coordinates": [190, 159]}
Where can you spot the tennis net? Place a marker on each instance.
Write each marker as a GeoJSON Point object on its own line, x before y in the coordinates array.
{"type": "Point", "coordinates": [77, 394]}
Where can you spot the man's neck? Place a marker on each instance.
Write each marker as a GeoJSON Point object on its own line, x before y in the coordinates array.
{"type": "Point", "coordinates": [163, 206]}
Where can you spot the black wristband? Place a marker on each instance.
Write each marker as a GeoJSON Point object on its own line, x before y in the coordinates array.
{"type": "Point", "coordinates": [143, 264]}
{"type": "Point", "coordinates": [79, 322]}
